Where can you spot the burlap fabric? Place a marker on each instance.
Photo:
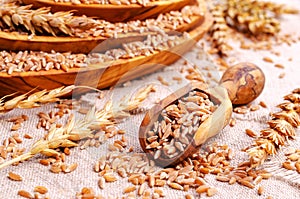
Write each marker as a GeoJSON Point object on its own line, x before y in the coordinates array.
{"type": "Point", "coordinates": [62, 186]}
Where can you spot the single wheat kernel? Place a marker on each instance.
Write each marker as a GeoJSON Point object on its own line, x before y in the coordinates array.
{"type": "Point", "coordinates": [162, 81]}
{"type": "Point", "coordinates": [281, 75]}
{"type": "Point", "coordinates": [211, 191]}
{"type": "Point", "coordinates": [254, 107]}
{"type": "Point", "coordinates": [40, 189]}
{"type": "Point", "coordinates": [55, 169]}
{"type": "Point", "coordinates": [151, 180]}
{"type": "Point", "coordinates": [257, 180]}
{"type": "Point", "coordinates": [160, 192]}
{"type": "Point", "coordinates": [101, 183]}
{"type": "Point", "coordinates": [14, 176]}
{"type": "Point", "coordinates": [27, 136]}
{"type": "Point", "coordinates": [109, 177]}
{"type": "Point", "coordinates": [297, 165]}
{"type": "Point", "coordinates": [247, 183]}
{"type": "Point", "coordinates": [288, 166]}
{"type": "Point", "coordinates": [222, 178]}
{"type": "Point", "coordinates": [141, 189]}
{"type": "Point", "coordinates": [129, 189]}
{"type": "Point", "coordinates": [67, 151]}
{"type": "Point", "coordinates": [250, 133]}
{"type": "Point", "coordinates": [293, 157]}
{"type": "Point", "coordinates": [260, 190]}
{"type": "Point", "coordinates": [175, 185]}
{"type": "Point", "coordinates": [268, 59]}
{"type": "Point", "coordinates": [232, 122]}
{"type": "Point", "coordinates": [232, 180]}
{"type": "Point", "coordinates": [71, 168]}
{"type": "Point", "coordinates": [160, 183]}
{"type": "Point", "coordinates": [279, 66]}
{"type": "Point", "coordinates": [25, 194]}
{"type": "Point", "coordinates": [202, 189]}
{"type": "Point", "coordinates": [44, 162]}
{"type": "Point", "coordinates": [189, 196]}
{"type": "Point", "coordinates": [16, 127]}
{"type": "Point", "coordinates": [263, 104]}
{"type": "Point", "coordinates": [147, 193]}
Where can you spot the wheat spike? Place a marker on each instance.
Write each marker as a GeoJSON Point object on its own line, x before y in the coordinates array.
{"type": "Point", "coordinates": [15, 17]}
{"type": "Point", "coordinates": [34, 100]}
{"type": "Point", "coordinates": [247, 16]}
{"type": "Point", "coordinates": [219, 30]}
{"type": "Point", "coordinates": [251, 17]}
{"type": "Point", "coordinates": [272, 139]}
{"type": "Point", "coordinates": [76, 130]}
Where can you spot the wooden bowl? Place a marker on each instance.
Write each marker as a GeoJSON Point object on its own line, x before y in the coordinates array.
{"type": "Point", "coordinates": [114, 13]}
{"type": "Point", "coordinates": [101, 75]}
{"type": "Point", "coordinates": [18, 42]}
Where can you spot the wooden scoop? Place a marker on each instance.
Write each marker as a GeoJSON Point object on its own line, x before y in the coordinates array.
{"type": "Point", "coordinates": [242, 77]}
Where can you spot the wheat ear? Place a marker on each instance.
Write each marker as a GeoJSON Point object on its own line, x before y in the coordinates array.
{"type": "Point", "coordinates": [73, 131]}
{"type": "Point", "coordinates": [26, 101]}
{"type": "Point", "coordinates": [219, 30]}
{"type": "Point", "coordinates": [42, 20]}
{"type": "Point", "coordinates": [281, 128]}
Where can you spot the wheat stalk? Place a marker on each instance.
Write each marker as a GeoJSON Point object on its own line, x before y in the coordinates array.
{"type": "Point", "coordinates": [248, 16]}
{"type": "Point", "coordinates": [76, 130]}
{"type": "Point", "coordinates": [26, 101]}
{"type": "Point", "coordinates": [15, 17]}
{"type": "Point", "coordinates": [219, 30]}
{"type": "Point", "coordinates": [255, 18]}
{"type": "Point", "coordinates": [281, 128]}
{"type": "Point", "coordinates": [36, 99]}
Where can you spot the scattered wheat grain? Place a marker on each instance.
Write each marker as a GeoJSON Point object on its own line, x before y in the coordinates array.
{"type": "Point", "coordinates": [14, 176]}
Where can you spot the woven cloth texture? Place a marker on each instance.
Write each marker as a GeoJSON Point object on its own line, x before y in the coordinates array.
{"type": "Point", "coordinates": [64, 186]}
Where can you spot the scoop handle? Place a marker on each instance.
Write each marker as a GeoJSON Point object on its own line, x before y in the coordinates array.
{"type": "Point", "coordinates": [240, 84]}
{"type": "Point", "coordinates": [218, 119]}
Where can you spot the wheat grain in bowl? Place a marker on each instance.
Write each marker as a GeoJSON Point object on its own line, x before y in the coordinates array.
{"type": "Point", "coordinates": [177, 124]}
{"type": "Point", "coordinates": [25, 61]}
{"type": "Point", "coordinates": [107, 2]}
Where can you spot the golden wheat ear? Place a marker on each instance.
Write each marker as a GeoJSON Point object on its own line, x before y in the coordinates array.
{"type": "Point", "coordinates": [75, 130]}
{"type": "Point", "coordinates": [281, 128]}
{"type": "Point", "coordinates": [26, 101]}
{"type": "Point", "coordinates": [42, 20]}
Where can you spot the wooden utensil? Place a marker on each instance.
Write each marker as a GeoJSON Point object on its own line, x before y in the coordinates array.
{"type": "Point", "coordinates": [242, 76]}
{"type": "Point", "coordinates": [101, 75]}
{"type": "Point", "coordinates": [114, 13]}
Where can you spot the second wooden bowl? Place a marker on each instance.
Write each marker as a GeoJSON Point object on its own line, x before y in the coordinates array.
{"type": "Point", "coordinates": [101, 75]}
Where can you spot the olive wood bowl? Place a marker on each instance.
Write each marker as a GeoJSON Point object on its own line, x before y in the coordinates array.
{"type": "Point", "coordinates": [114, 13]}
{"type": "Point", "coordinates": [101, 75]}
{"type": "Point", "coordinates": [19, 42]}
